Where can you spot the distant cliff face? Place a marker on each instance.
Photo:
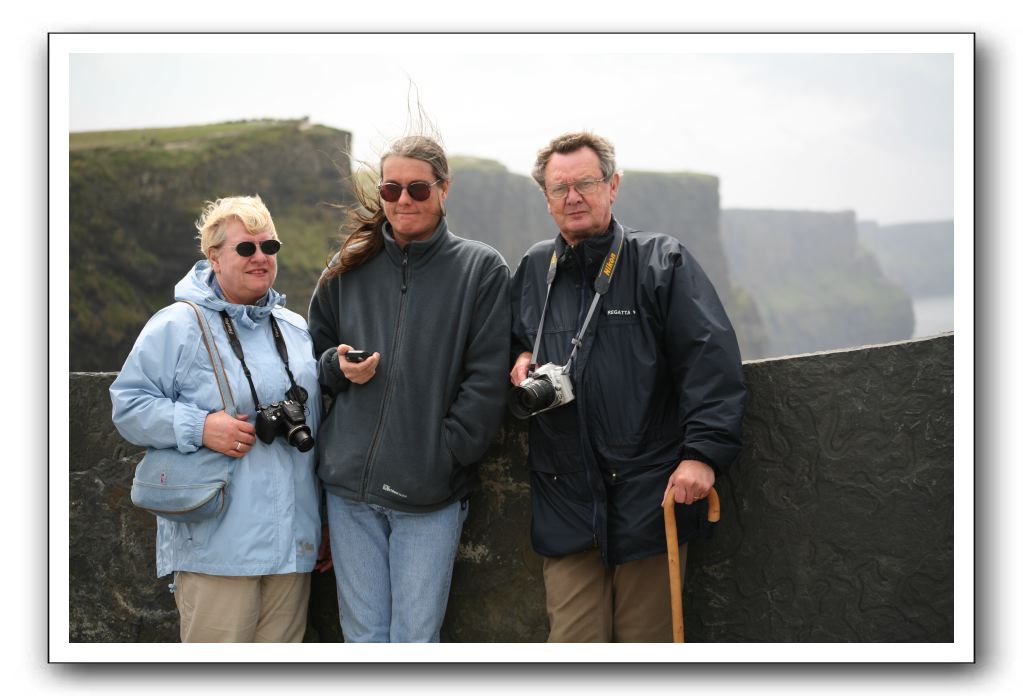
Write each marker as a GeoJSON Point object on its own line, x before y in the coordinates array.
{"type": "Point", "coordinates": [134, 199]}
{"type": "Point", "coordinates": [790, 281]}
{"type": "Point", "coordinates": [687, 207]}
{"type": "Point", "coordinates": [491, 204]}
{"type": "Point", "coordinates": [815, 287]}
{"type": "Point", "coordinates": [918, 256]}
{"type": "Point", "coordinates": [508, 211]}
{"type": "Point", "coordinates": [135, 196]}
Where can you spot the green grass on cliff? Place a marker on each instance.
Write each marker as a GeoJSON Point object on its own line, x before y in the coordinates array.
{"type": "Point", "coordinates": [134, 197]}
{"type": "Point", "coordinates": [169, 138]}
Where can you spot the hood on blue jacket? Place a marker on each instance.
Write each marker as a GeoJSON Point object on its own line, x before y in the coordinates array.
{"type": "Point", "coordinates": [200, 286]}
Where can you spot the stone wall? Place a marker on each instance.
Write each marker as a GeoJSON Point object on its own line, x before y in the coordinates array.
{"type": "Point", "coordinates": [836, 523]}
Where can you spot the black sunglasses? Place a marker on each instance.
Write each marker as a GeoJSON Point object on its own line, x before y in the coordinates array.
{"type": "Point", "coordinates": [268, 246]}
{"type": "Point", "coordinates": [390, 191]}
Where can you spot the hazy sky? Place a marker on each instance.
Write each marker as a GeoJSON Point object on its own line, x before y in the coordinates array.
{"type": "Point", "coordinates": [871, 132]}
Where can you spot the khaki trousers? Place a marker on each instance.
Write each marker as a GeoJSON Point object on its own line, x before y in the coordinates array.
{"type": "Point", "coordinates": [587, 603]}
{"type": "Point", "coordinates": [242, 609]}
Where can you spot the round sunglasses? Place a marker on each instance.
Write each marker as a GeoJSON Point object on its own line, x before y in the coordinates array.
{"type": "Point", "coordinates": [267, 246]}
{"type": "Point", "coordinates": [390, 191]}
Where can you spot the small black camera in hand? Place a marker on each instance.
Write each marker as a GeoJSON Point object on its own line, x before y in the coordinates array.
{"type": "Point", "coordinates": [286, 418]}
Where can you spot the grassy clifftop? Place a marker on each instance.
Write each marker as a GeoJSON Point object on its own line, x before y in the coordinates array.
{"type": "Point", "coordinates": [178, 136]}
{"type": "Point", "coordinates": [135, 195]}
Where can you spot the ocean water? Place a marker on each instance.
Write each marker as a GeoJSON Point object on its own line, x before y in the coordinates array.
{"type": "Point", "coordinates": [933, 315]}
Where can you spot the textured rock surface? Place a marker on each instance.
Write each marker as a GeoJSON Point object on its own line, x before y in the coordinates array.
{"type": "Point", "coordinates": [497, 588]}
{"type": "Point", "coordinates": [836, 523]}
{"type": "Point", "coordinates": [113, 594]}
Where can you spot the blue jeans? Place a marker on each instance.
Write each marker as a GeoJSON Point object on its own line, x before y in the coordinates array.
{"type": "Point", "coordinates": [393, 569]}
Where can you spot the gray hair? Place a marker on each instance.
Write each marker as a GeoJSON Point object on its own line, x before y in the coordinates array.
{"type": "Point", "coordinates": [422, 148]}
{"type": "Point", "coordinates": [570, 142]}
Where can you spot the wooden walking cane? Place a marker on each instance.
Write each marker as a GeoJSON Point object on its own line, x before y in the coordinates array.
{"type": "Point", "coordinates": [674, 572]}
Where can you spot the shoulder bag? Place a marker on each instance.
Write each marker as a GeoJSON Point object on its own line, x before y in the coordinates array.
{"type": "Point", "coordinates": [187, 487]}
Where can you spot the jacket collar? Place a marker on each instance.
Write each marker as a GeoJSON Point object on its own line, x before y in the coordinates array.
{"type": "Point", "coordinates": [589, 254]}
{"type": "Point", "coordinates": [597, 244]}
{"type": "Point", "coordinates": [200, 286]}
{"type": "Point", "coordinates": [419, 250]}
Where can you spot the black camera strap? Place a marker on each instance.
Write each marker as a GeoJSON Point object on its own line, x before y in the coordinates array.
{"type": "Point", "coordinates": [236, 346]}
{"type": "Point", "coordinates": [282, 350]}
{"type": "Point", "coordinates": [600, 287]}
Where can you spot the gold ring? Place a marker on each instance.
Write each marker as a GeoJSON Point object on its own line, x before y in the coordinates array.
{"type": "Point", "coordinates": [238, 445]}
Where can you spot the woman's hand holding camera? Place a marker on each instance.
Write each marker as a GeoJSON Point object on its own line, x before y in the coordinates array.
{"type": "Point", "coordinates": [357, 372]}
{"type": "Point", "coordinates": [228, 435]}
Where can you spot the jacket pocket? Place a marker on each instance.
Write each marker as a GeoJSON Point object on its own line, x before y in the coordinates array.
{"type": "Point", "coordinates": [560, 478]}
{"type": "Point", "coordinates": [198, 534]}
{"type": "Point", "coordinates": [650, 449]}
{"type": "Point", "coordinates": [412, 469]}
{"type": "Point", "coordinates": [562, 505]}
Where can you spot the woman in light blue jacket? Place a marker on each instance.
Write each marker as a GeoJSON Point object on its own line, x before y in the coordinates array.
{"type": "Point", "coordinates": [244, 575]}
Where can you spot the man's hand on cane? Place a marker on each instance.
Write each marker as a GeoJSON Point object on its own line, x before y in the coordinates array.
{"type": "Point", "coordinates": [692, 480]}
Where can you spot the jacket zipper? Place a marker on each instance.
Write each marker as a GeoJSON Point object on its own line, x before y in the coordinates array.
{"type": "Point", "coordinates": [375, 442]}
{"type": "Point", "coordinates": [583, 303]}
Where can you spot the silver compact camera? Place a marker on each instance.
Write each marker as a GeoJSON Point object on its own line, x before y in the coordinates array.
{"type": "Point", "coordinates": [546, 387]}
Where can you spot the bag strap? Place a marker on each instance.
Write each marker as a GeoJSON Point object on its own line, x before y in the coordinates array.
{"type": "Point", "coordinates": [215, 360]}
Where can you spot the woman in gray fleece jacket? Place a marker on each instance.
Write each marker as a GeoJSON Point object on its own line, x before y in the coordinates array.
{"type": "Point", "coordinates": [411, 325]}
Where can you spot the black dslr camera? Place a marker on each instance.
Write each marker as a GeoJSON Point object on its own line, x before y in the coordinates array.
{"type": "Point", "coordinates": [286, 418]}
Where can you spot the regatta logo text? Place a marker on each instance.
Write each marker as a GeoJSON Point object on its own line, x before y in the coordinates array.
{"type": "Point", "coordinates": [391, 490]}
{"type": "Point", "coordinates": [621, 312]}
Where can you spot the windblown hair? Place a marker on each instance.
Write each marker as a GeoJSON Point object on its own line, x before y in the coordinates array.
{"type": "Point", "coordinates": [249, 210]}
{"type": "Point", "coordinates": [366, 221]}
{"type": "Point", "coordinates": [570, 142]}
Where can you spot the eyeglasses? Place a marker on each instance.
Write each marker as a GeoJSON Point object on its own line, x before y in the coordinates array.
{"type": "Point", "coordinates": [390, 191]}
{"type": "Point", "coordinates": [268, 246]}
{"type": "Point", "coordinates": [582, 187]}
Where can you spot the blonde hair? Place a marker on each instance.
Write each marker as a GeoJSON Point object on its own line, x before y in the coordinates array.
{"type": "Point", "coordinates": [249, 210]}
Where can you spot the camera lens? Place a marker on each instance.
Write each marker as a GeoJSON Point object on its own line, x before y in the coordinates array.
{"type": "Point", "coordinates": [531, 396]}
{"type": "Point", "coordinates": [299, 437]}
{"type": "Point", "coordinates": [537, 394]}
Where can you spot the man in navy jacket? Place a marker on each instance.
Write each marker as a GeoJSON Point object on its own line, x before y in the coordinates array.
{"type": "Point", "coordinates": [656, 380]}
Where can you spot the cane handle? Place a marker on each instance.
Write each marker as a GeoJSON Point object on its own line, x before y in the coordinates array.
{"type": "Point", "coordinates": [713, 503]}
